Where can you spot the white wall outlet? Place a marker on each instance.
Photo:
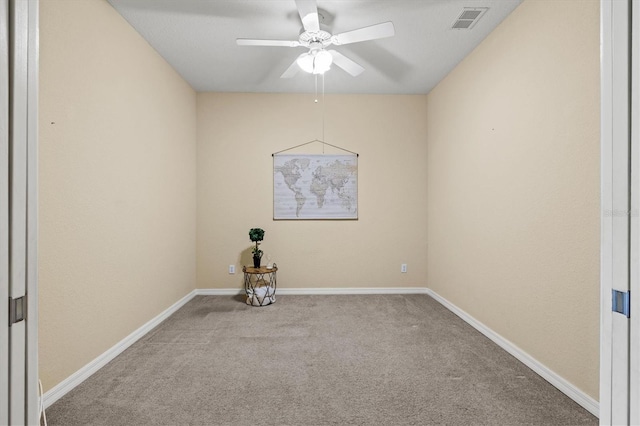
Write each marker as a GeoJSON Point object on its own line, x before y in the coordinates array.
{"type": "Point", "coordinates": [403, 268]}
{"type": "Point", "coordinates": [232, 269]}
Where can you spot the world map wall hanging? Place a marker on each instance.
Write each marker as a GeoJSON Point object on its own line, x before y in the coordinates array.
{"type": "Point", "coordinates": [314, 186]}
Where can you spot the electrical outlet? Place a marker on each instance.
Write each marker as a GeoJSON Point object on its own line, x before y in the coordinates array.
{"type": "Point", "coordinates": [403, 268]}
{"type": "Point", "coordinates": [232, 269]}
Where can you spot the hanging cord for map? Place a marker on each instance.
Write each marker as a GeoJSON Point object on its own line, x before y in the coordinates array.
{"type": "Point", "coordinates": [315, 141]}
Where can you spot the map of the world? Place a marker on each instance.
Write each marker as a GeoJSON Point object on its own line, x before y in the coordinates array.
{"type": "Point", "coordinates": [315, 186]}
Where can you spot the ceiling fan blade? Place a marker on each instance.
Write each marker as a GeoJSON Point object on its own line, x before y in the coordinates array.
{"type": "Point", "coordinates": [292, 70]}
{"type": "Point", "coordinates": [308, 10]}
{"type": "Point", "coordinates": [346, 64]}
{"type": "Point", "coordinates": [276, 43]}
{"type": "Point", "coordinates": [372, 32]}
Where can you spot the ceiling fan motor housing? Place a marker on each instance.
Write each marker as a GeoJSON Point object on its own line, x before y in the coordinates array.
{"type": "Point", "coordinates": [310, 39]}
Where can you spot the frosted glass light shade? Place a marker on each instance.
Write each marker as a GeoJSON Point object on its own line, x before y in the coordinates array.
{"type": "Point", "coordinates": [317, 62]}
{"type": "Point", "coordinates": [322, 62]}
{"type": "Point", "coordinates": [305, 62]}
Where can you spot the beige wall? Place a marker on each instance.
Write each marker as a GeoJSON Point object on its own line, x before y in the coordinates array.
{"type": "Point", "coordinates": [237, 133]}
{"type": "Point", "coordinates": [513, 185]}
{"type": "Point", "coordinates": [117, 184]}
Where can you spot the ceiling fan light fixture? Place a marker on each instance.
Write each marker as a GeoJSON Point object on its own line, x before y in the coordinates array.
{"type": "Point", "coordinates": [315, 62]}
{"type": "Point", "coordinates": [305, 62]}
{"type": "Point", "coordinates": [322, 62]}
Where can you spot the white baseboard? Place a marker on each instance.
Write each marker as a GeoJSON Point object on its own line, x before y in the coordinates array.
{"type": "Point", "coordinates": [85, 372]}
{"type": "Point", "coordinates": [564, 386]}
{"type": "Point", "coordinates": [353, 290]}
{"type": "Point", "coordinates": [219, 291]}
{"type": "Point", "coordinates": [584, 400]}
{"type": "Point", "coordinates": [318, 291]}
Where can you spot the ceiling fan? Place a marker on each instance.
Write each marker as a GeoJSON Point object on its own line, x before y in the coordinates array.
{"type": "Point", "coordinates": [318, 60]}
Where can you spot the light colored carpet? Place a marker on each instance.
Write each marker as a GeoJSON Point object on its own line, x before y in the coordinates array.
{"type": "Point", "coordinates": [316, 360]}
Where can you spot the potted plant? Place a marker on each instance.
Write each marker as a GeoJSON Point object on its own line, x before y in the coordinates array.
{"type": "Point", "coordinates": [256, 235]}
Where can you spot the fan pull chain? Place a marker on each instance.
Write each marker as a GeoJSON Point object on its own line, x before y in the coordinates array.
{"type": "Point", "coordinates": [323, 113]}
{"type": "Point", "coordinates": [315, 77]}
{"type": "Point", "coordinates": [323, 108]}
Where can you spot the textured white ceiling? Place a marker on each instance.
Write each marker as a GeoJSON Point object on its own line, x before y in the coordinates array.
{"type": "Point", "coordinates": [198, 38]}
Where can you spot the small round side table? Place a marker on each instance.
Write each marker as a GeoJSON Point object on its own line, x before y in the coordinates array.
{"type": "Point", "coordinates": [260, 285]}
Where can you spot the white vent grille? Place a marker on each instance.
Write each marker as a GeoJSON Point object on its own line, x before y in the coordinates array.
{"type": "Point", "coordinates": [469, 18]}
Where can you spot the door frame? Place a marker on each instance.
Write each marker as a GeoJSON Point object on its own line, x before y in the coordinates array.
{"type": "Point", "coordinates": [33, 88]}
{"type": "Point", "coordinates": [634, 279]}
{"type": "Point", "coordinates": [620, 207]}
{"type": "Point", "coordinates": [4, 210]}
{"type": "Point", "coordinates": [19, 56]}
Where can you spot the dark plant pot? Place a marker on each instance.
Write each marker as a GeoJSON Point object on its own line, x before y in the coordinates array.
{"type": "Point", "coordinates": [256, 261]}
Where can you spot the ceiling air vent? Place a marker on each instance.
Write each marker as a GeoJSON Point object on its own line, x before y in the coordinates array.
{"type": "Point", "coordinates": [469, 18]}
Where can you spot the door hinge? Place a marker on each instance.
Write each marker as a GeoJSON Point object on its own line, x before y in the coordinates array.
{"type": "Point", "coordinates": [621, 302]}
{"type": "Point", "coordinates": [17, 309]}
